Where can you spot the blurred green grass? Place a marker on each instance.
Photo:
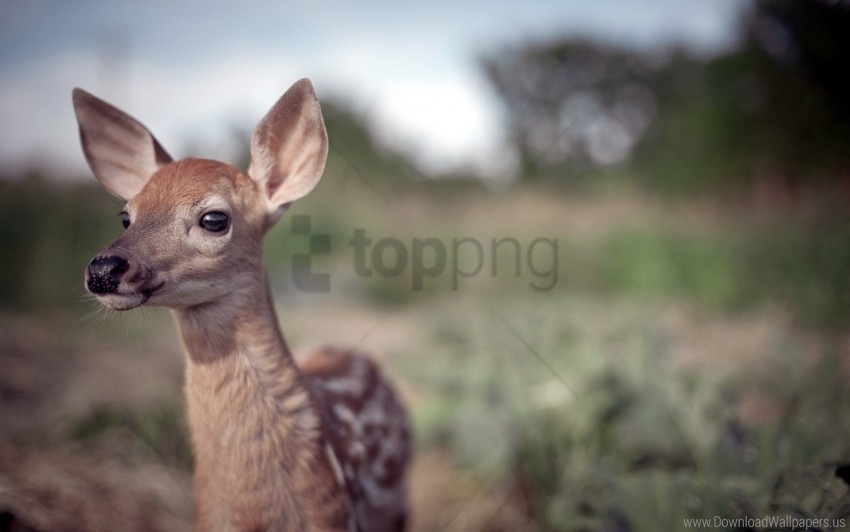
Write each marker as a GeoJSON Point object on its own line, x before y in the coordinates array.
{"type": "Point", "coordinates": [50, 232]}
{"type": "Point", "coordinates": [601, 438]}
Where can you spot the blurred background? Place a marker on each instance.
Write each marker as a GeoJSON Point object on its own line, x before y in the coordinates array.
{"type": "Point", "coordinates": [688, 358]}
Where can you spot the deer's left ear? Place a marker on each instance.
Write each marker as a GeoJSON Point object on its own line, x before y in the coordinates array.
{"type": "Point", "coordinates": [289, 148]}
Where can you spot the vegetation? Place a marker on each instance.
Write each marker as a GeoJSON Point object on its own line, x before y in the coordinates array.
{"type": "Point", "coordinates": [772, 111]}
{"type": "Point", "coordinates": [690, 361]}
{"type": "Point", "coordinates": [632, 443]}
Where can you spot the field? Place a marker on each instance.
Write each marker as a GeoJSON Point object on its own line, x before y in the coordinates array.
{"type": "Point", "coordinates": [645, 362]}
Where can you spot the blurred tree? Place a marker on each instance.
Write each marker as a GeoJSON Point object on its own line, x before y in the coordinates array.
{"type": "Point", "coordinates": [49, 231]}
{"type": "Point", "coordinates": [798, 86]}
{"type": "Point", "coordinates": [354, 149]}
{"type": "Point", "coordinates": [571, 102]}
{"type": "Point", "coordinates": [771, 111]}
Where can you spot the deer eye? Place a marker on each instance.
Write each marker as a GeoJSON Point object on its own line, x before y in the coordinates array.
{"type": "Point", "coordinates": [214, 222]}
{"type": "Point", "coordinates": [125, 219]}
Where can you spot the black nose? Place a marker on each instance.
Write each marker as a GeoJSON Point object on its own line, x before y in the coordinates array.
{"type": "Point", "coordinates": [104, 273]}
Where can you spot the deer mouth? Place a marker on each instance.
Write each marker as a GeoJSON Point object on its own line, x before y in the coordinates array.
{"type": "Point", "coordinates": [128, 300]}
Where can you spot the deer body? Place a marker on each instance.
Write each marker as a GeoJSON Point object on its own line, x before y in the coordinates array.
{"type": "Point", "coordinates": [278, 446]}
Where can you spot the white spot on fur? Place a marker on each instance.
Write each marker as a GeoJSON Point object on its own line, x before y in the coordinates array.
{"type": "Point", "coordinates": [335, 464]}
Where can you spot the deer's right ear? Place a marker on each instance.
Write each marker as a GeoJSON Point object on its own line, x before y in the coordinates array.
{"type": "Point", "coordinates": [120, 151]}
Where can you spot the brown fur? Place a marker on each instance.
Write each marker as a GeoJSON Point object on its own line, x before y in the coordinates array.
{"type": "Point", "coordinates": [276, 447]}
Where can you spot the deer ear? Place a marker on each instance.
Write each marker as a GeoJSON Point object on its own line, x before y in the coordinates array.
{"type": "Point", "coordinates": [120, 151]}
{"type": "Point", "coordinates": [289, 148]}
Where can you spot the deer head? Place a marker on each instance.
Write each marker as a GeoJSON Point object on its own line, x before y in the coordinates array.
{"type": "Point", "coordinates": [193, 228]}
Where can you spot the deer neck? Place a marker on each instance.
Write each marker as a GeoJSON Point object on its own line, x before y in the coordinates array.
{"type": "Point", "coordinates": [244, 321]}
{"type": "Point", "coordinates": [252, 419]}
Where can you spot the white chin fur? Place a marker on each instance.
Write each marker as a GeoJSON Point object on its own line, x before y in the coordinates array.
{"type": "Point", "coordinates": [122, 301]}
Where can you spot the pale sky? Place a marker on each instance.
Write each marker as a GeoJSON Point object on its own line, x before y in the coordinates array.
{"type": "Point", "coordinates": [193, 70]}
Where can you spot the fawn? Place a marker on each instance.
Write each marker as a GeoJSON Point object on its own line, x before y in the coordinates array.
{"type": "Point", "coordinates": [320, 445]}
